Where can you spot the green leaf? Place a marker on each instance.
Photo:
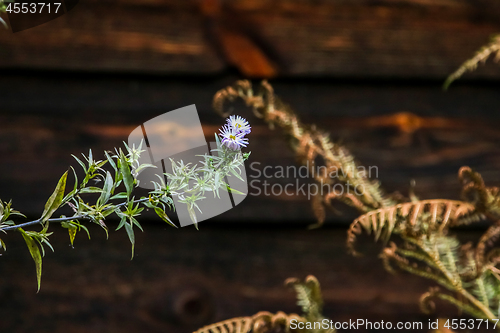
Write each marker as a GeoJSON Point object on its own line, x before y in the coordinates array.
{"type": "Point", "coordinates": [217, 141]}
{"type": "Point", "coordinates": [72, 229]}
{"type": "Point", "coordinates": [81, 163]}
{"type": "Point", "coordinates": [101, 163]}
{"type": "Point", "coordinates": [164, 216]}
{"type": "Point", "coordinates": [91, 189]}
{"type": "Point", "coordinates": [237, 175]}
{"type": "Point", "coordinates": [55, 199]}
{"type": "Point", "coordinates": [121, 195]}
{"type": "Point", "coordinates": [72, 233]}
{"type": "Point", "coordinates": [86, 230]}
{"type": "Point", "coordinates": [45, 241]}
{"type": "Point", "coordinates": [104, 226]}
{"type": "Point", "coordinates": [106, 189]}
{"type": "Point", "coordinates": [232, 190]}
{"type": "Point", "coordinates": [192, 215]}
{"type": "Point", "coordinates": [35, 253]}
{"type": "Point", "coordinates": [127, 176]}
{"type": "Point", "coordinates": [122, 223]}
{"type": "Point", "coordinates": [75, 187]}
{"type": "Point", "coordinates": [110, 160]}
{"type": "Point", "coordinates": [2, 245]}
{"type": "Point", "coordinates": [131, 236]}
{"type": "Point", "coordinates": [108, 210]}
{"type": "Point", "coordinates": [144, 166]}
{"type": "Point", "coordinates": [148, 204]}
{"type": "Point", "coordinates": [136, 223]}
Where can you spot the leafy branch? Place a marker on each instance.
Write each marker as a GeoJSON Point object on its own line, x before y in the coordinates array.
{"type": "Point", "coordinates": [115, 187]}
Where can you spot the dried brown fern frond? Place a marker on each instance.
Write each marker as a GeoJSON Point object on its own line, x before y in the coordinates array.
{"type": "Point", "coordinates": [487, 240]}
{"type": "Point", "coordinates": [262, 322]}
{"type": "Point", "coordinates": [308, 298]}
{"type": "Point", "coordinates": [428, 251]}
{"type": "Point", "coordinates": [470, 274]}
{"type": "Point", "coordinates": [411, 219]}
{"type": "Point", "coordinates": [486, 199]}
{"type": "Point", "coordinates": [492, 48]}
{"type": "Point", "coordinates": [234, 325]}
{"type": "Point", "coordinates": [310, 145]}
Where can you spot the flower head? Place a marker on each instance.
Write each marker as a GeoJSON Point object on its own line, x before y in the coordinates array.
{"type": "Point", "coordinates": [239, 124]}
{"type": "Point", "coordinates": [233, 139]}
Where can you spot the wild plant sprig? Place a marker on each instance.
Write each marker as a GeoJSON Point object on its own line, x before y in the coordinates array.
{"type": "Point", "coordinates": [113, 181]}
{"type": "Point", "coordinates": [190, 182]}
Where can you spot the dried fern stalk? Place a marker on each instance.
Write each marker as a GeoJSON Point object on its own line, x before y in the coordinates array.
{"type": "Point", "coordinates": [471, 274]}
{"type": "Point", "coordinates": [310, 144]}
{"type": "Point", "coordinates": [492, 48]}
{"type": "Point", "coordinates": [308, 298]}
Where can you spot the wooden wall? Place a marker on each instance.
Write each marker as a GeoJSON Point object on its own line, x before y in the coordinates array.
{"type": "Point", "coordinates": [361, 69]}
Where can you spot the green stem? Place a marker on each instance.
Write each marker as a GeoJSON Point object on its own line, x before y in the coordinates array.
{"type": "Point", "coordinates": [63, 219]}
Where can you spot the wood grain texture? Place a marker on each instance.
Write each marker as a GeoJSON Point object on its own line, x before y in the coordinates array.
{"type": "Point", "coordinates": [182, 279]}
{"type": "Point", "coordinates": [109, 37]}
{"type": "Point", "coordinates": [44, 121]}
{"type": "Point", "coordinates": [407, 38]}
{"type": "Point", "coordinates": [386, 40]}
{"type": "Point", "coordinates": [93, 86]}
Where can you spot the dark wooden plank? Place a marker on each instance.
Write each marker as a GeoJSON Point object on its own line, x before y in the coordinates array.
{"type": "Point", "coordinates": [382, 40]}
{"type": "Point", "coordinates": [44, 121]}
{"type": "Point", "coordinates": [407, 38]}
{"type": "Point", "coordinates": [109, 37]}
{"type": "Point", "coordinates": [183, 279]}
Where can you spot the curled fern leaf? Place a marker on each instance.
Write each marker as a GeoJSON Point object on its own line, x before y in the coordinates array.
{"type": "Point", "coordinates": [308, 296]}
{"type": "Point", "coordinates": [426, 301]}
{"type": "Point", "coordinates": [474, 190]}
{"type": "Point", "coordinates": [412, 218]}
{"type": "Point", "coordinates": [262, 322]}
{"type": "Point", "coordinates": [235, 325]}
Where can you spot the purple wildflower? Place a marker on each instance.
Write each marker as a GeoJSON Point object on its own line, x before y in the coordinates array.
{"type": "Point", "coordinates": [240, 124]}
{"type": "Point", "coordinates": [232, 138]}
